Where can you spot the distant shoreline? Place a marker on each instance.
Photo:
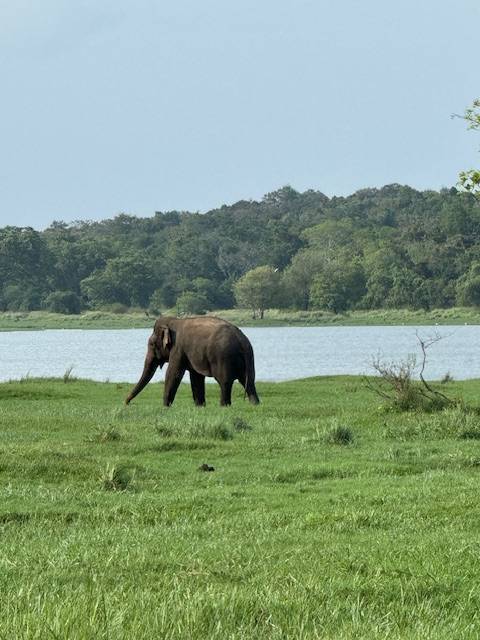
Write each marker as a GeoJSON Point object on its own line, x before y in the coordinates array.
{"type": "Point", "coordinates": [41, 320]}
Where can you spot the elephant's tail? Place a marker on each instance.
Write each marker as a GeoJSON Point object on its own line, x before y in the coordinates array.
{"type": "Point", "coordinates": [250, 390]}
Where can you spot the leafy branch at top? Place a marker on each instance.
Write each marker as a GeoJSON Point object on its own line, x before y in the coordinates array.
{"type": "Point", "coordinates": [470, 180]}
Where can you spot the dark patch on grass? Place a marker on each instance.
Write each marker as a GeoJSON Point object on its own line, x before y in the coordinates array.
{"type": "Point", "coordinates": [206, 467]}
{"type": "Point", "coordinates": [239, 424]}
{"type": "Point", "coordinates": [105, 434]}
{"type": "Point", "coordinates": [220, 432]}
{"type": "Point", "coordinates": [164, 432]}
{"type": "Point", "coordinates": [301, 475]}
{"type": "Point", "coordinates": [472, 434]}
{"type": "Point", "coordinates": [15, 517]}
{"type": "Point", "coordinates": [178, 445]}
{"type": "Point", "coordinates": [328, 472]}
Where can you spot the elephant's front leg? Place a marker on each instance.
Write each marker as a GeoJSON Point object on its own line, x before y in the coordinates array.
{"type": "Point", "coordinates": [197, 382]}
{"type": "Point", "coordinates": [173, 377]}
{"type": "Point", "coordinates": [225, 392]}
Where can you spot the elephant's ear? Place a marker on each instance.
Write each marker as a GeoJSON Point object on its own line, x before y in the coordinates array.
{"type": "Point", "coordinates": [167, 338]}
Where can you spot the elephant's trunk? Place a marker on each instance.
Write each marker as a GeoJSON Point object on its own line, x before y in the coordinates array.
{"type": "Point", "coordinates": [151, 364]}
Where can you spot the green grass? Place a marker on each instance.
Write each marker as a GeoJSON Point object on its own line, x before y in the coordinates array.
{"type": "Point", "coordinates": [110, 530]}
{"type": "Point", "coordinates": [10, 321]}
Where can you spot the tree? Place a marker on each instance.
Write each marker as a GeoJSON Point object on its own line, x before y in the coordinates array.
{"type": "Point", "coordinates": [62, 302]}
{"type": "Point", "coordinates": [258, 289]}
{"type": "Point", "coordinates": [25, 268]}
{"type": "Point", "coordinates": [191, 303]}
{"type": "Point", "coordinates": [339, 288]}
{"type": "Point", "coordinates": [298, 278]}
{"type": "Point", "coordinates": [415, 249]}
{"type": "Point", "coordinates": [468, 287]}
{"type": "Point", "coordinates": [21, 297]}
{"type": "Point", "coordinates": [407, 290]}
{"type": "Point", "coordinates": [127, 280]}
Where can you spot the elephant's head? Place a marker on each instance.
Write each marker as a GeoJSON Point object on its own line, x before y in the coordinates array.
{"type": "Point", "coordinates": [158, 352]}
{"type": "Point", "coordinates": [162, 341]}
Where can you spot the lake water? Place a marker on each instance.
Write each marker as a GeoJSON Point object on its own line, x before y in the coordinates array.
{"type": "Point", "coordinates": [281, 353]}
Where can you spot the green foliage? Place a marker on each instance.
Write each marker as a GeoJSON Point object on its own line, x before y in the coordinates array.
{"type": "Point", "coordinates": [393, 247]}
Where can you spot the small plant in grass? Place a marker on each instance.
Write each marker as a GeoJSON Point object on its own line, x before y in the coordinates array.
{"type": "Point", "coordinates": [446, 378]}
{"type": "Point", "coordinates": [215, 431]}
{"type": "Point", "coordinates": [116, 478]}
{"type": "Point", "coordinates": [339, 434]}
{"type": "Point", "coordinates": [220, 432]}
{"type": "Point", "coordinates": [194, 429]}
{"type": "Point", "coordinates": [457, 421]}
{"type": "Point", "coordinates": [67, 376]}
{"type": "Point", "coordinates": [163, 431]}
{"type": "Point", "coordinates": [239, 424]}
{"type": "Point", "coordinates": [105, 434]}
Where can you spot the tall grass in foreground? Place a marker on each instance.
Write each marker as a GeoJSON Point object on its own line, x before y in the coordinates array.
{"type": "Point", "coordinates": [325, 516]}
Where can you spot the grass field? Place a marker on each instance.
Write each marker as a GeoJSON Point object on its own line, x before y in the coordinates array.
{"type": "Point", "coordinates": [326, 516]}
{"type": "Point", "coordinates": [10, 321]}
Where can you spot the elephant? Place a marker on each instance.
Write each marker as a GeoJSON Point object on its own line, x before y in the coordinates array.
{"type": "Point", "coordinates": [203, 346]}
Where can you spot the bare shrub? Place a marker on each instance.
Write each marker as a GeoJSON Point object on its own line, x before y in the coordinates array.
{"type": "Point", "coordinates": [446, 378]}
{"type": "Point", "coordinates": [67, 376]}
{"type": "Point", "coordinates": [395, 382]}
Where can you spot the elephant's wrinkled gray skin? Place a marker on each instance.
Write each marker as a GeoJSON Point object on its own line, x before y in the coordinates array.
{"type": "Point", "coordinates": [204, 346]}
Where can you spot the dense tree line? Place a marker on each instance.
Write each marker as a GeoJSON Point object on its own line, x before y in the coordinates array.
{"type": "Point", "coordinates": [388, 247]}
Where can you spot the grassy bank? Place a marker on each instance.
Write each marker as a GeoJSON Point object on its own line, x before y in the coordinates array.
{"type": "Point", "coordinates": [11, 321]}
{"type": "Point", "coordinates": [325, 517]}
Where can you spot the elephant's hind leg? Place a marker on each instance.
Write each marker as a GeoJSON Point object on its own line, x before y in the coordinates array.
{"type": "Point", "coordinates": [197, 382]}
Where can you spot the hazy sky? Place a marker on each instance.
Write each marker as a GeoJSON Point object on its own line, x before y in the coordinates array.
{"type": "Point", "coordinates": [114, 105]}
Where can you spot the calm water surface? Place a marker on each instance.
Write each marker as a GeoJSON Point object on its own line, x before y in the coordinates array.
{"type": "Point", "coordinates": [281, 353]}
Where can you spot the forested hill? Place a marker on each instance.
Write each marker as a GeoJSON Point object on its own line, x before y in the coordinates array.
{"type": "Point", "coordinates": [388, 247]}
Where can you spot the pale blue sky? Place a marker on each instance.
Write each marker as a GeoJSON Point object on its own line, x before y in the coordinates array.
{"type": "Point", "coordinates": [114, 105]}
